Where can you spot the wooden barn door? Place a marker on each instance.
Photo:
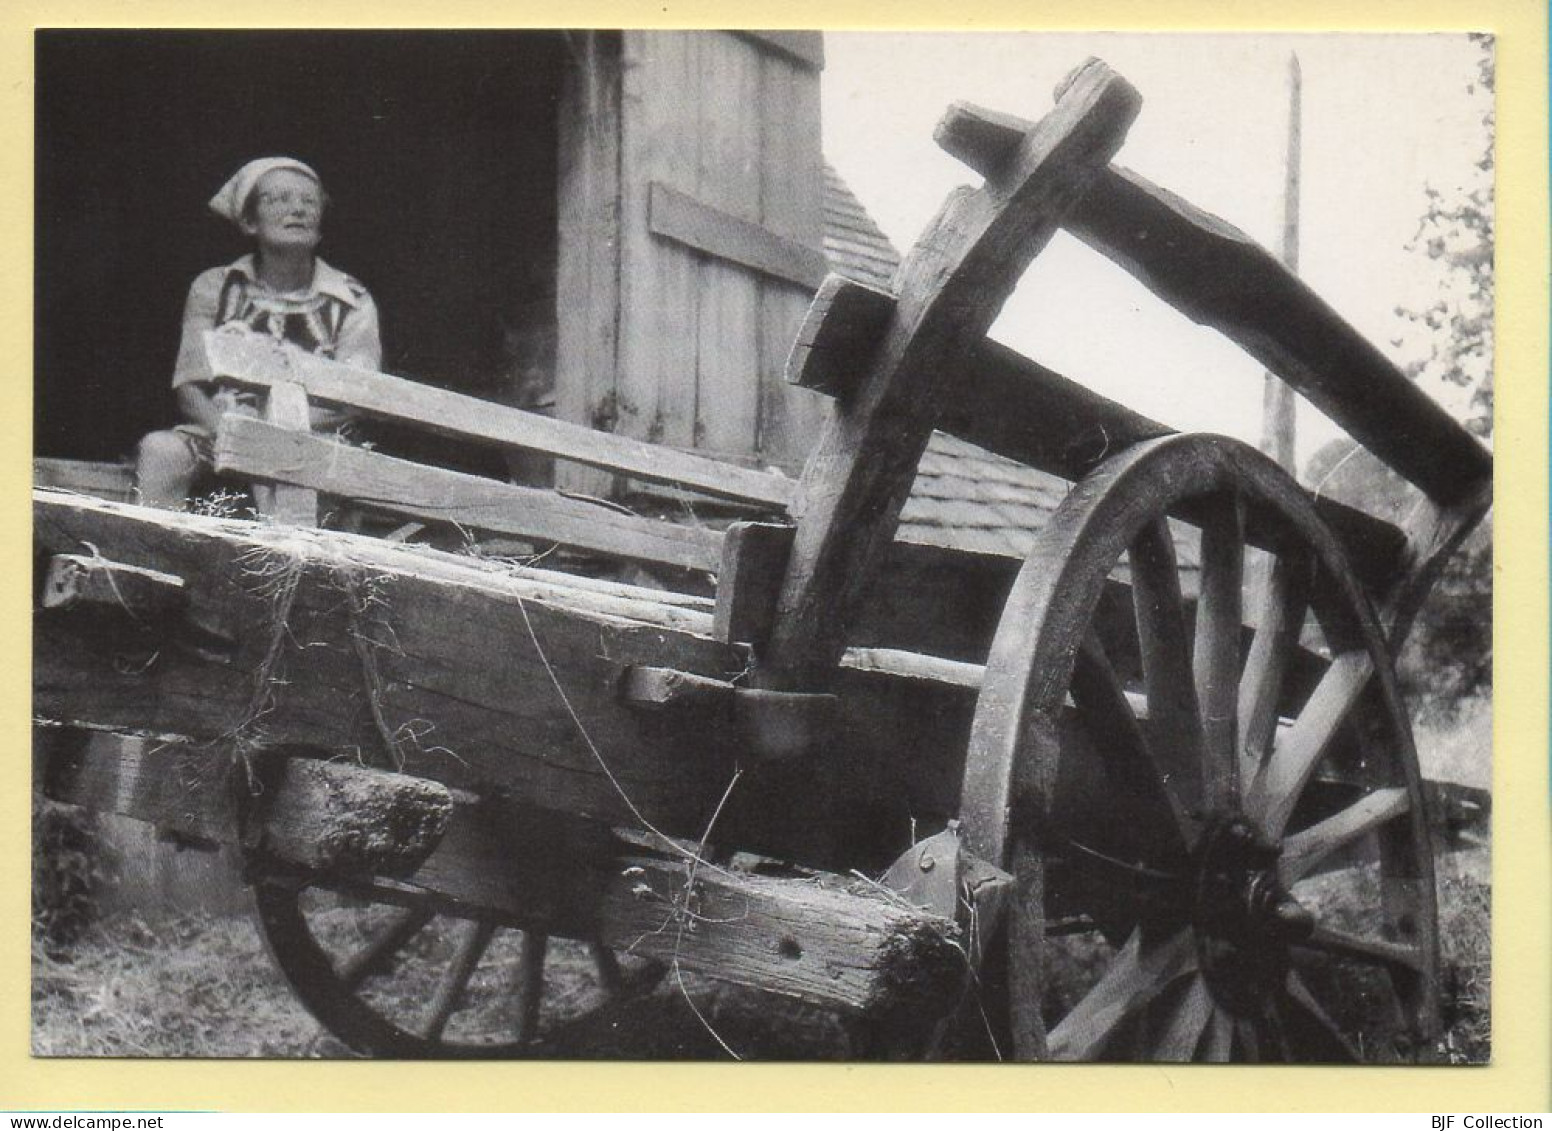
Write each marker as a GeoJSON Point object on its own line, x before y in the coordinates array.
{"type": "Point", "coordinates": [703, 231]}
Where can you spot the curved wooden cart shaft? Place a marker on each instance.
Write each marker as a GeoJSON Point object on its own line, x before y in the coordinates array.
{"type": "Point", "coordinates": [825, 678]}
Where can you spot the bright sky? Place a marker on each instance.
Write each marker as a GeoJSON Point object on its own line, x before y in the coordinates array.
{"type": "Point", "coordinates": [1383, 115]}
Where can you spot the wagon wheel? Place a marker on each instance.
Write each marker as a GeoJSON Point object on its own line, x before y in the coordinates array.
{"type": "Point", "coordinates": [394, 972]}
{"type": "Point", "coordinates": [1220, 844]}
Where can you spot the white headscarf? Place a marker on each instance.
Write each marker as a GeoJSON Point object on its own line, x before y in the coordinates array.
{"type": "Point", "coordinates": [228, 202]}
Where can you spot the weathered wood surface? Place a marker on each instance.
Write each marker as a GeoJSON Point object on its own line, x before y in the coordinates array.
{"type": "Point", "coordinates": [356, 647]}
{"type": "Point", "coordinates": [952, 286]}
{"type": "Point", "coordinates": [79, 580]}
{"type": "Point", "coordinates": [286, 408]}
{"type": "Point", "coordinates": [677, 216]}
{"type": "Point", "coordinates": [754, 558]}
{"type": "Point", "coordinates": [587, 287]}
{"type": "Point", "coordinates": [1216, 275]}
{"type": "Point", "coordinates": [805, 48]}
{"type": "Point", "coordinates": [841, 944]}
{"type": "Point", "coordinates": [1017, 408]}
{"type": "Point", "coordinates": [792, 205]}
{"type": "Point", "coordinates": [323, 816]}
{"type": "Point", "coordinates": [254, 448]}
{"type": "Point", "coordinates": [251, 361]}
{"type": "Point", "coordinates": [451, 666]}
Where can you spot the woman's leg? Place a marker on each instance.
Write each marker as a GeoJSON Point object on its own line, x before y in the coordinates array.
{"type": "Point", "coordinates": [166, 466]}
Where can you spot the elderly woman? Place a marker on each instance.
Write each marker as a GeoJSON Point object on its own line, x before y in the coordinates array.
{"type": "Point", "coordinates": [282, 290]}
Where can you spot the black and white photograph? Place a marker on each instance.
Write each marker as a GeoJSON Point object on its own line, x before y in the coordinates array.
{"type": "Point", "coordinates": [636, 545]}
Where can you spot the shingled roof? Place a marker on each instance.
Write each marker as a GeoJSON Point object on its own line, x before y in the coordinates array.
{"type": "Point", "coordinates": [964, 496]}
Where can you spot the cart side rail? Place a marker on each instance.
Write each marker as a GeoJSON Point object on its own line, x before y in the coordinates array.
{"type": "Point", "coordinates": [258, 363]}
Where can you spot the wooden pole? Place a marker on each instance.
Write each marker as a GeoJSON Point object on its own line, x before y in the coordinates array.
{"type": "Point", "coordinates": [1278, 405]}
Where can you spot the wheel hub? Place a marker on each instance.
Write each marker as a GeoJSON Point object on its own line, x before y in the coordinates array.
{"type": "Point", "coordinates": [1243, 917]}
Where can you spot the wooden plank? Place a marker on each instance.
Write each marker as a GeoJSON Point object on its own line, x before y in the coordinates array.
{"type": "Point", "coordinates": [659, 288]}
{"type": "Point", "coordinates": [792, 205]}
{"type": "Point", "coordinates": [802, 47]}
{"type": "Point", "coordinates": [325, 816]}
{"type": "Point", "coordinates": [952, 286]}
{"type": "Point", "coordinates": [77, 580]}
{"type": "Point", "coordinates": [754, 560]}
{"type": "Point", "coordinates": [1216, 275]}
{"type": "Point", "coordinates": [106, 480]}
{"type": "Point", "coordinates": [587, 304]}
{"type": "Point", "coordinates": [679, 217]}
{"type": "Point", "coordinates": [260, 364]}
{"type": "Point", "coordinates": [286, 408]}
{"type": "Point", "coordinates": [253, 448]}
{"type": "Point", "coordinates": [727, 388]}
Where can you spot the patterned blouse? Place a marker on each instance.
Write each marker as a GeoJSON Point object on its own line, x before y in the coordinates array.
{"type": "Point", "coordinates": [334, 317]}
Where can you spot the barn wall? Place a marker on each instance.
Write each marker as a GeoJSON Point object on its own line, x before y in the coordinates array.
{"type": "Point", "coordinates": [690, 241]}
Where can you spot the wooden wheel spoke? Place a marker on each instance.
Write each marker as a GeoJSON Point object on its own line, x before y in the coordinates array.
{"type": "Point", "coordinates": [1188, 1025]}
{"type": "Point", "coordinates": [1281, 606]}
{"type": "Point", "coordinates": [1173, 714]}
{"type": "Point", "coordinates": [1218, 1042]}
{"type": "Point", "coordinates": [456, 979]}
{"type": "Point", "coordinates": [1130, 759]}
{"type": "Point", "coordinates": [1026, 931]}
{"type": "Point", "coordinates": [1215, 658]}
{"type": "Point", "coordinates": [610, 979]}
{"type": "Point", "coordinates": [1247, 1040]}
{"type": "Point", "coordinates": [530, 982]}
{"type": "Point", "coordinates": [1381, 952]}
{"type": "Point", "coordinates": [1277, 787]}
{"type": "Point", "coordinates": [1136, 977]}
{"type": "Point", "coordinates": [374, 955]}
{"type": "Point", "coordinates": [1314, 1026]}
{"type": "Point", "coordinates": [1304, 851]}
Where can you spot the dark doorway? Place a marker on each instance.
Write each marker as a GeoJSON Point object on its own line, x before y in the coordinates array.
{"type": "Point", "coordinates": [437, 148]}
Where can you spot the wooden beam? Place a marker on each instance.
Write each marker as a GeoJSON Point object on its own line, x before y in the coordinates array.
{"type": "Point", "coordinates": [843, 326]}
{"type": "Point", "coordinates": [1017, 408]}
{"type": "Point", "coordinates": [1216, 275]}
{"type": "Point", "coordinates": [952, 286]}
{"type": "Point", "coordinates": [323, 816]}
{"type": "Point", "coordinates": [668, 690]}
{"type": "Point", "coordinates": [286, 407]}
{"type": "Point", "coordinates": [754, 558]}
{"type": "Point", "coordinates": [843, 944]}
{"type": "Point", "coordinates": [465, 672]}
{"type": "Point", "coordinates": [675, 216]}
{"type": "Point", "coordinates": [838, 943]}
{"type": "Point", "coordinates": [253, 448]}
{"type": "Point", "coordinates": [260, 364]}
{"type": "Point", "coordinates": [105, 480]}
{"type": "Point", "coordinates": [76, 580]}
{"type": "Point", "coordinates": [803, 47]}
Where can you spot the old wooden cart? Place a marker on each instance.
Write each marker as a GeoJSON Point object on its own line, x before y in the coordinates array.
{"type": "Point", "coordinates": [1139, 820]}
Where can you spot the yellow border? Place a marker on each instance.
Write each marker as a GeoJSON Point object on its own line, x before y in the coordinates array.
{"type": "Point", "coordinates": [1519, 1078]}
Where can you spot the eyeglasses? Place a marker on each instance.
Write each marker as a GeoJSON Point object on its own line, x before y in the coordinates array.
{"type": "Point", "coordinates": [288, 200]}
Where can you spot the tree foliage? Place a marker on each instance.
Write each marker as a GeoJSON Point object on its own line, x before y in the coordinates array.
{"type": "Point", "coordinates": [1447, 334]}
